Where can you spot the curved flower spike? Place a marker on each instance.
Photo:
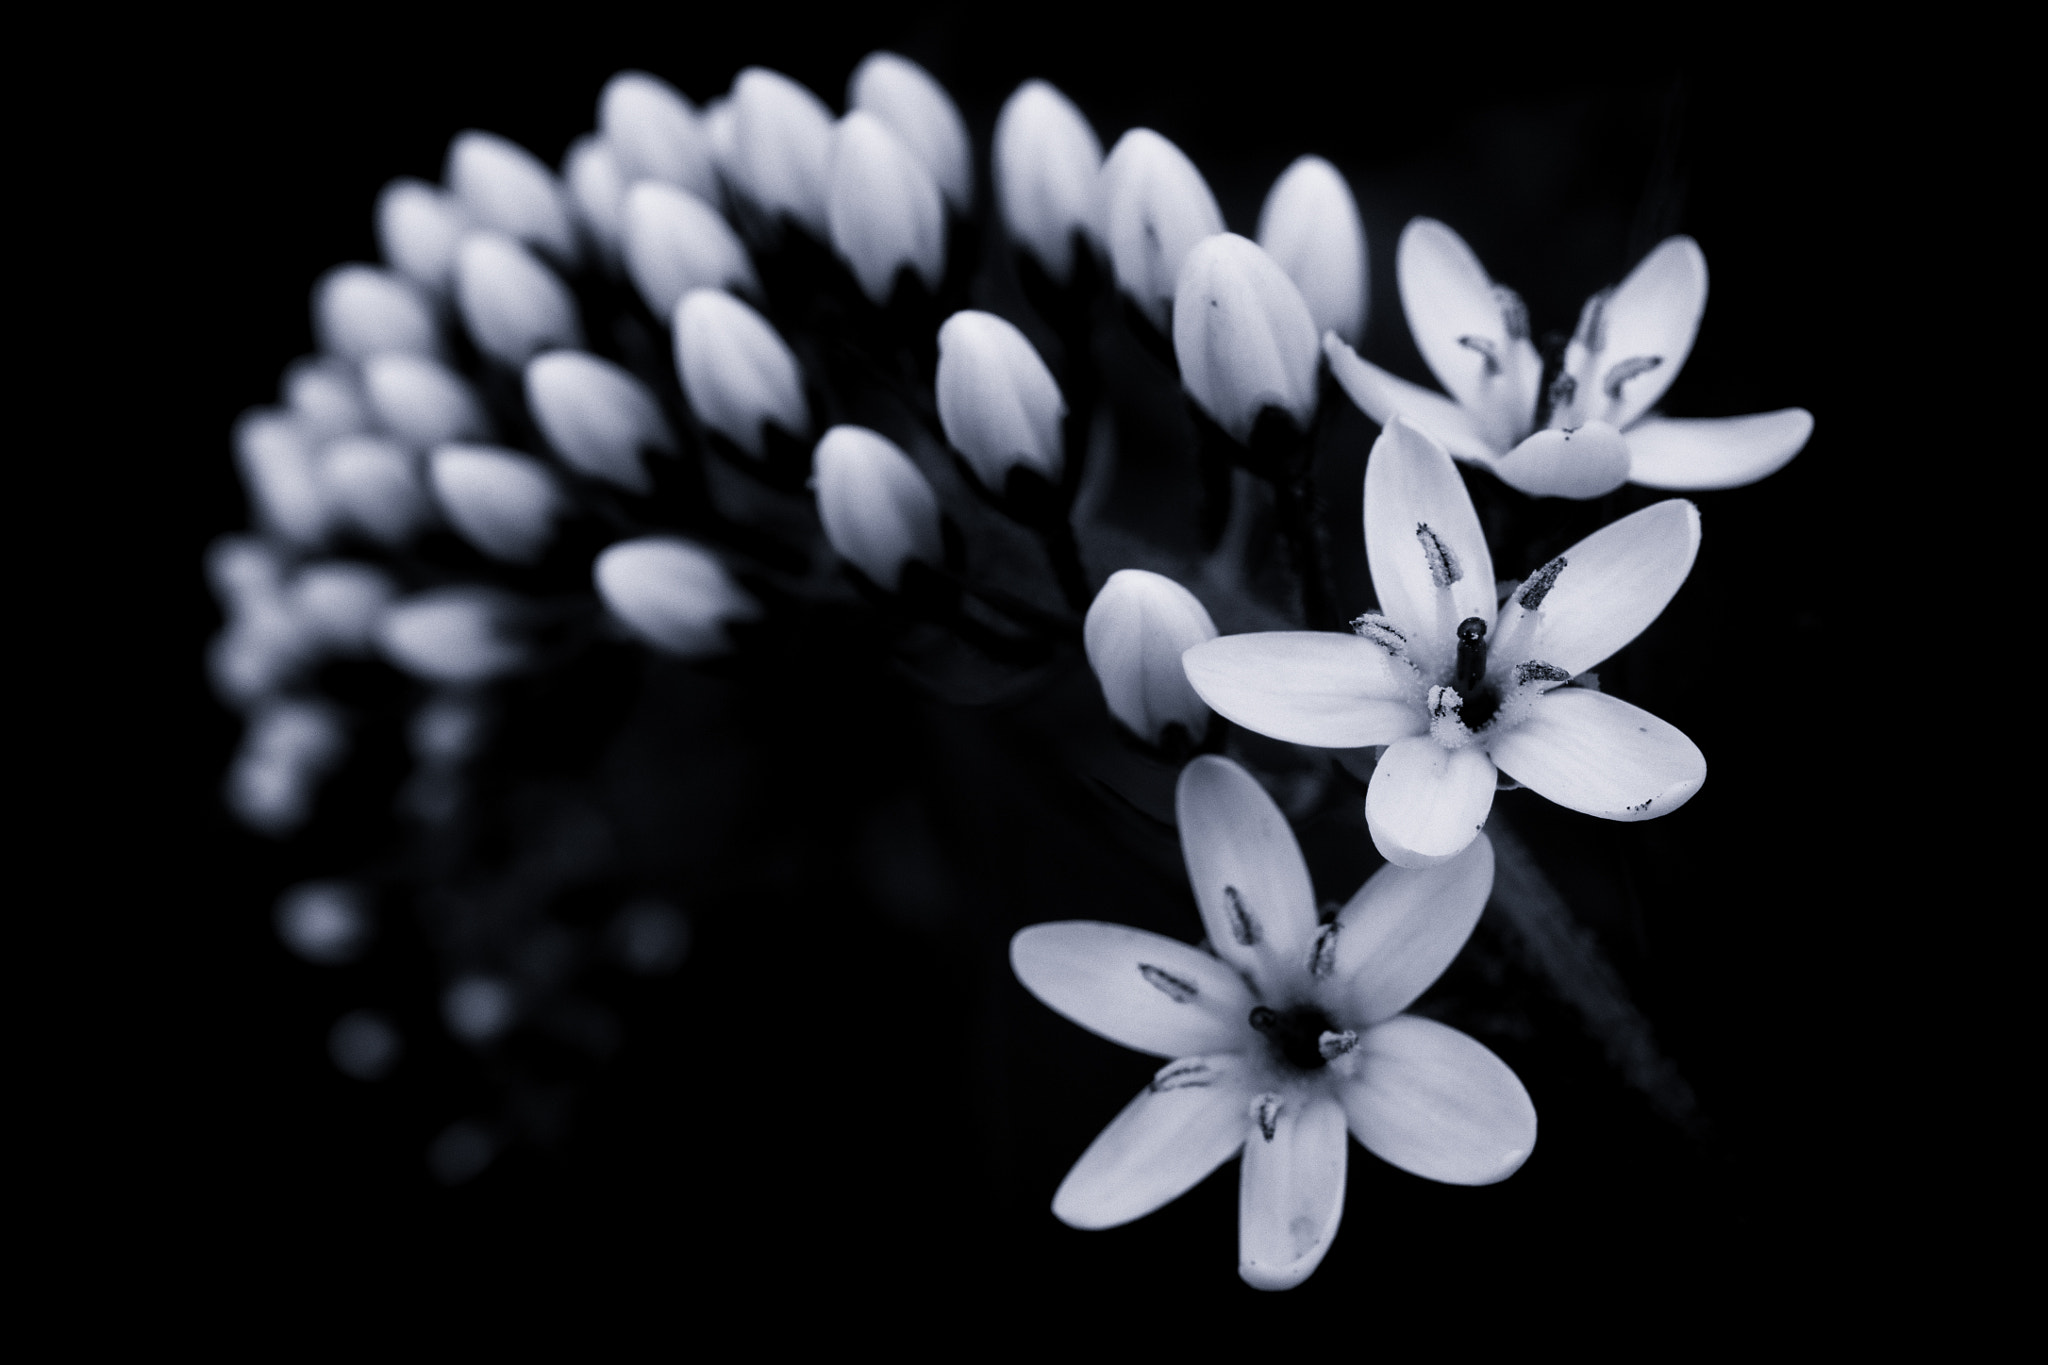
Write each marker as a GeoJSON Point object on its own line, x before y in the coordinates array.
{"type": "Point", "coordinates": [418, 228]}
{"type": "Point", "coordinates": [512, 305]}
{"type": "Point", "coordinates": [674, 595]}
{"type": "Point", "coordinates": [656, 134]}
{"type": "Point", "coordinates": [674, 242]}
{"type": "Point", "coordinates": [1310, 225]}
{"type": "Point", "coordinates": [1137, 628]}
{"type": "Point", "coordinates": [506, 188]}
{"type": "Point", "coordinates": [737, 372]}
{"type": "Point", "coordinates": [781, 147]}
{"type": "Point", "coordinates": [596, 416]}
{"type": "Point", "coordinates": [1294, 1036]}
{"type": "Point", "coordinates": [1047, 162]}
{"type": "Point", "coordinates": [1156, 206]}
{"type": "Point", "coordinates": [360, 311]}
{"type": "Point", "coordinates": [1596, 431]}
{"type": "Point", "coordinates": [883, 210]}
{"type": "Point", "coordinates": [1243, 336]}
{"type": "Point", "coordinates": [999, 404]}
{"type": "Point", "coordinates": [878, 510]}
{"type": "Point", "coordinates": [917, 109]}
{"type": "Point", "coordinates": [1457, 693]}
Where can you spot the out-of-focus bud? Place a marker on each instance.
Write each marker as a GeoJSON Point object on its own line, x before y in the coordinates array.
{"type": "Point", "coordinates": [325, 399]}
{"type": "Point", "coordinates": [325, 922]}
{"type": "Point", "coordinates": [422, 401]}
{"type": "Point", "coordinates": [998, 402]}
{"type": "Point", "coordinates": [1310, 226]}
{"type": "Point", "coordinates": [672, 594]}
{"type": "Point", "coordinates": [721, 134]}
{"type": "Point", "coordinates": [507, 188]}
{"type": "Point", "coordinates": [917, 109]}
{"type": "Point", "coordinates": [458, 636]}
{"type": "Point", "coordinates": [675, 242]}
{"type": "Point", "coordinates": [373, 483]}
{"type": "Point", "coordinates": [339, 604]}
{"type": "Point", "coordinates": [289, 746]}
{"type": "Point", "coordinates": [262, 649]}
{"type": "Point", "coordinates": [449, 728]}
{"type": "Point", "coordinates": [1048, 165]}
{"type": "Point", "coordinates": [243, 572]}
{"type": "Point", "coordinates": [479, 1009]}
{"type": "Point", "coordinates": [418, 228]}
{"type": "Point", "coordinates": [782, 147]}
{"type": "Point", "coordinates": [1243, 336]}
{"type": "Point", "coordinates": [512, 305]}
{"type": "Point", "coordinates": [498, 500]}
{"type": "Point", "coordinates": [364, 1045]}
{"type": "Point", "coordinates": [597, 417]}
{"type": "Point", "coordinates": [656, 134]}
{"type": "Point", "coordinates": [360, 311]}
{"type": "Point", "coordinates": [879, 512]}
{"type": "Point", "coordinates": [597, 192]}
{"type": "Point", "coordinates": [737, 372]}
{"type": "Point", "coordinates": [281, 476]}
{"type": "Point", "coordinates": [651, 937]}
{"type": "Point", "coordinates": [884, 212]}
{"type": "Point", "coordinates": [1155, 207]}
{"type": "Point", "coordinates": [1136, 630]}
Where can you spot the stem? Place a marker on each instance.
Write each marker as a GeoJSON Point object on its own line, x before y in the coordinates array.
{"type": "Point", "coordinates": [1307, 546]}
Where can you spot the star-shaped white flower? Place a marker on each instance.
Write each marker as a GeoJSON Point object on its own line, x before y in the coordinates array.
{"type": "Point", "coordinates": [1459, 689]}
{"type": "Point", "coordinates": [1593, 430]}
{"type": "Point", "coordinates": [1283, 1036]}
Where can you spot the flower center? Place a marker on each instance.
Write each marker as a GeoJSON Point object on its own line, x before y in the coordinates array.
{"type": "Point", "coordinates": [1478, 701]}
{"type": "Point", "coordinates": [1297, 1033]}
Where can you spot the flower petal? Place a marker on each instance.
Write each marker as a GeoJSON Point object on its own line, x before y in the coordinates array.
{"type": "Point", "coordinates": [1473, 336]}
{"type": "Point", "coordinates": [1427, 803]}
{"type": "Point", "coordinates": [1401, 931]}
{"type": "Point", "coordinates": [1633, 343]}
{"type": "Point", "coordinates": [1248, 875]}
{"type": "Point", "coordinates": [1613, 584]}
{"type": "Point", "coordinates": [1308, 687]}
{"type": "Point", "coordinates": [1174, 1133]}
{"type": "Point", "coordinates": [1589, 461]}
{"type": "Point", "coordinates": [1383, 397]}
{"type": "Point", "coordinates": [1290, 1196]}
{"type": "Point", "coordinates": [1715, 452]}
{"type": "Point", "coordinates": [1410, 484]}
{"type": "Point", "coordinates": [1438, 1104]}
{"type": "Point", "coordinates": [1148, 992]}
{"type": "Point", "coordinates": [1600, 755]}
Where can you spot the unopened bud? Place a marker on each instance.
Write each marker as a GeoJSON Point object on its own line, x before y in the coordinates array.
{"type": "Point", "coordinates": [325, 399]}
{"type": "Point", "coordinates": [879, 512]}
{"type": "Point", "coordinates": [339, 604]}
{"type": "Point", "coordinates": [1243, 336]}
{"type": "Point", "coordinates": [672, 594]}
{"type": "Point", "coordinates": [418, 228]}
{"type": "Point", "coordinates": [479, 1009]}
{"type": "Point", "coordinates": [422, 401]}
{"type": "Point", "coordinates": [289, 746]}
{"type": "Point", "coordinates": [282, 478]}
{"type": "Point", "coordinates": [512, 305]}
{"type": "Point", "coordinates": [325, 922]}
{"type": "Point", "coordinates": [500, 501]}
{"type": "Point", "coordinates": [372, 484]}
{"type": "Point", "coordinates": [883, 210]}
{"type": "Point", "coordinates": [596, 416]}
{"type": "Point", "coordinates": [1048, 163]}
{"type": "Point", "coordinates": [361, 310]}
{"type": "Point", "coordinates": [999, 404]}
{"type": "Point", "coordinates": [1311, 228]}
{"type": "Point", "coordinates": [262, 649]}
{"type": "Point", "coordinates": [597, 193]}
{"type": "Point", "coordinates": [1135, 632]}
{"type": "Point", "coordinates": [782, 147]}
{"type": "Point", "coordinates": [1156, 206]}
{"type": "Point", "coordinates": [917, 109]}
{"type": "Point", "coordinates": [737, 372]}
{"type": "Point", "coordinates": [457, 636]}
{"type": "Point", "coordinates": [674, 242]}
{"type": "Point", "coordinates": [244, 571]}
{"type": "Point", "coordinates": [656, 134]}
{"type": "Point", "coordinates": [508, 189]}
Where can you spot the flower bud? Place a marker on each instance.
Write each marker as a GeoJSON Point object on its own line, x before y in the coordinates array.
{"type": "Point", "coordinates": [1243, 336]}
{"type": "Point", "coordinates": [288, 748]}
{"type": "Point", "coordinates": [674, 242]}
{"type": "Point", "coordinates": [597, 193]}
{"type": "Point", "coordinates": [339, 604]}
{"type": "Point", "coordinates": [244, 572]}
{"type": "Point", "coordinates": [917, 109]}
{"type": "Point", "coordinates": [721, 133]}
{"type": "Point", "coordinates": [736, 370]}
{"type": "Point", "coordinates": [1155, 206]}
{"type": "Point", "coordinates": [998, 403]}
{"type": "Point", "coordinates": [1311, 228]}
{"type": "Point", "coordinates": [879, 512]}
{"type": "Point", "coordinates": [511, 303]}
{"type": "Point", "coordinates": [458, 636]}
{"type": "Point", "coordinates": [1048, 163]}
{"type": "Point", "coordinates": [597, 417]}
{"type": "Point", "coordinates": [371, 483]}
{"type": "Point", "coordinates": [325, 399]}
{"type": "Point", "coordinates": [882, 209]}
{"type": "Point", "coordinates": [1135, 632]}
{"type": "Point", "coordinates": [782, 147]}
{"type": "Point", "coordinates": [418, 228]}
{"type": "Point", "coordinates": [422, 402]}
{"type": "Point", "coordinates": [655, 134]}
{"type": "Point", "coordinates": [281, 476]}
{"type": "Point", "coordinates": [327, 923]}
{"type": "Point", "coordinates": [500, 501]}
{"type": "Point", "coordinates": [261, 650]}
{"type": "Point", "coordinates": [672, 594]}
{"type": "Point", "coordinates": [361, 310]}
{"type": "Point", "coordinates": [507, 189]}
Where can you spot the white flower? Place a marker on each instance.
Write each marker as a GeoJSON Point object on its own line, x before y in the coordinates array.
{"type": "Point", "coordinates": [656, 135]}
{"type": "Point", "coordinates": [1136, 630]}
{"type": "Point", "coordinates": [502, 502]}
{"type": "Point", "coordinates": [1243, 336]}
{"type": "Point", "coordinates": [1155, 207]}
{"type": "Point", "coordinates": [882, 208]}
{"type": "Point", "coordinates": [998, 403]}
{"type": "Point", "coordinates": [423, 402]}
{"type": "Point", "coordinates": [1310, 225]}
{"type": "Point", "coordinates": [917, 109]}
{"type": "Point", "coordinates": [781, 147]}
{"type": "Point", "coordinates": [674, 242]}
{"type": "Point", "coordinates": [1288, 1035]}
{"type": "Point", "coordinates": [737, 372]}
{"type": "Point", "coordinates": [596, 416]}
{"type": "Point", "coordinates": [878, 510]}
{"type": "Point", "coordinates": [360, 311]}
{"type": "Point", "coordinates": [1457, 693]}
{"type": "Point", "coordinates": [1047, 164]}
{"type": "Point", "coordinates": [506, 188]}
{"type": "Point", "coordinates": [1596, 428]}
{"type": "Point", "coordinates": [512, 304]}
{"type": "Point", "coordinates": [672, 594]}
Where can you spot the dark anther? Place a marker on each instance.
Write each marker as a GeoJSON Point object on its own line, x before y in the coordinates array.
{"type": "Point", "coordinates": [1471, 655]}
{"type": "Point", "coordinates": [1539, 584]}
{"type": "Point", "coordinates": [1487, 351]}
{"type": "Point", "coordinates": [1297, 1034]}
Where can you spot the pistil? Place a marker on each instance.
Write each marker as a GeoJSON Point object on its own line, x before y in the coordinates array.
{"type": "Point", "coordinates": [1297, 1033]}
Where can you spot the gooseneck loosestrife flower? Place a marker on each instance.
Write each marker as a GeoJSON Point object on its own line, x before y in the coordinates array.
{"type": "Point", "coordinates": [1284, 1035]}
{"type": "Point", "coordinates": [1460, 688]}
